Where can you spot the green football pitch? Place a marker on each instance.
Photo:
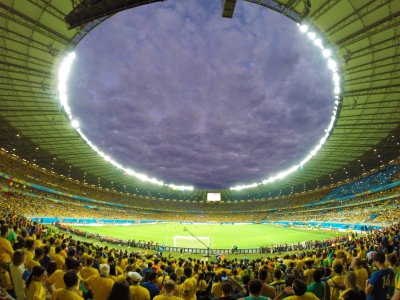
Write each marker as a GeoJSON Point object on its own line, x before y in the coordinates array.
{"type": "Point", "coordinates": [216, 236]}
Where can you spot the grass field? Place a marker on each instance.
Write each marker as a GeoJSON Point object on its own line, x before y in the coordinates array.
{"type": "Point", "coordinates": [220, 236]}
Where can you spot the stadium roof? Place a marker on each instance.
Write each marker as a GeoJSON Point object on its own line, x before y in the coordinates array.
{"type": "Point", "coordinates": [364, 34]}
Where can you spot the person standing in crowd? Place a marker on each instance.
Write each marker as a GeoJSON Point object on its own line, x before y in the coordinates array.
{"type": "Point", "coordinates": [380, 282]}
{"type": "Point", "coordinates": [17, 269]}
{"type": "Point", "coordinates": [298, 291]}
{"type": "Point", "coordinates": [70, 292]}
{"type": "Point", "coordinates": [120, 291]}
{"type": "Point", "coordinates": [34, 284]}
{"type": "Point", "coordinates": [189, 285]}
{"type": "Point", "coordinates": [6, 250]}
{"type": "Point", "coordinates": [100, 285]}
{"type": "Point", "coordinates": [169, 287]}
{"type": "Point", "coordinates": [137, 292]}
{"type": "Point", "coordinates": [151, 285]}
{"type": "Point", "coordinates": [266, 290]}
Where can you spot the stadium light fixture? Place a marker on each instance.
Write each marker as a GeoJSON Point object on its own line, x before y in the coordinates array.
{"type": "Point", "coordinates": [63, 72]}
{"type": "Point", "coordinates": [326, 53]}
{"type": "Point", "coordinates": [75, 124]}
{"type": "Point", "coordinates": [333, 66]}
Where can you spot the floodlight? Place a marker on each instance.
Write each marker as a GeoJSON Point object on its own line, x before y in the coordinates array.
{"type": "Point", "coordinates": [326, 53]}
{"type": "Point", "coordinates": [75, 123]}
{"type": "Point", "coordinates": [303, 28]}
{"type": "Point", "coordinates": [311, 35]}
{"type": "Point", "coordinates": [318, 42]}
{"type": "Point", "coordinates": [332, 64]}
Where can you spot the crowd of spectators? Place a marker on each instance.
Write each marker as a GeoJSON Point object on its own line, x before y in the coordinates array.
{"type": "Point", "coordinates": [38, 263]}
{"type": "Point", "coordinates": [344, 267]}
{"type": "Point", "coordinates": [36, 202]}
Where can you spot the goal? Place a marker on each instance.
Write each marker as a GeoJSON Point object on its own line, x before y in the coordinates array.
{"type": "Point", "coordinates": [191, 242]}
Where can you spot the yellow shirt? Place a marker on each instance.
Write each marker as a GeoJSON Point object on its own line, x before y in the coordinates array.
{"type": "Point", "coordinates": [30, 264]}
{"type": "Point", "coordinates": [139, 293]}
{"type": "Point", "coordinates": [395, 271]}
{"type": "Point", "coordinates": [6, 281]}
{"type": "Point", "coordinates": [338, 279]}
{"type": "Point", "coordinates": [65, 295]}
{"type": "Point", "coordinates": [179, 271]}
{"type": "Point", "coordinates": [164, 297]}
{"type": "Point", "coordinates": [161, 280]}
{"type": "Point", "coordinates": [336, 261]}
{"type": "Point", "coordinates": [362, 276]}
{"type": "Point", "coordinates": [216, 290]}
{"type": "Point", "coordinates": [119, 270]}
{"type": "Point", "coordinates": [189, 286]}
{"type": "Point", "coordinates": [38, 243]}
{"type": "Point", "coordinates": [101, 286]}
{"type": "Point", "coordinates": [397, 281]}
{"type": "Point", "coordinates": [52, 251]}
{"type": "Point", "coordinates": [202, 286]}
{"type": "Point", "coordinates": [86, 272]}
{"type": "Point", "coordinates": [6, 251]}
{"type": "Point", "coordinates": [29, 255]}
{"type": "Point", "coordinates": [177, 291]}
{"type": "Point", "coordinates": [306, 296]}
{"type": "Point", "coordinates": [308, 274]}
{"type": "Point", "coordinates": [85, 256]}
{"type": "Point", "coordinates": [344, 293]}
{"type": "Point", "coordinates": [63, 254]}
{"type": "Point", "coordinates": [57, 278]}
{"type": "Point", "coordinates": [60, 261]}
{"type": "Point", "coordinates": [300, 264]}
{"type": "Point", "coordinates": [35, 290]}
{"type": "Point", "coordinates": [362, 254]}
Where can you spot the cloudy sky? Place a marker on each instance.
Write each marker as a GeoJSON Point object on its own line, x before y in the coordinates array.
{"type": "Point", "coordinates": [176, 92]}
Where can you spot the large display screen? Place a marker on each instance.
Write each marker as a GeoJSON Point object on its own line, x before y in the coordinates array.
{"type": "Point", "coordinates": [213, 196]}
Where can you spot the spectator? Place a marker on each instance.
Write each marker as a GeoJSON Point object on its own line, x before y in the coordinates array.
{"type": "Point", "coordinates": [6, 251]}
{"type": "Point", "coordinates": [267, 291]}
{"type": "Point", "coordinates": [298, 291]}
{"type": "Point", "coordinates": [17, 270]}
{"type": "Point", "coordinates": [70, 291]}
{"type": "Point", "coordinates": [120, 291]}
{"type": "Point", "coordinates": [34, 287]}
{"type": "Point", "coordinates": [151, 284]}
{"type": "Point", "coordinates": [169, 292]}
{"type": "Point", "coordinates": [100, 285]}
{"type": "Point", "coordinates": [137, 292]}
{"type": "Point", "coordinates": [318, 288]}
{"type": "Point", "coordinates": [381, 280]}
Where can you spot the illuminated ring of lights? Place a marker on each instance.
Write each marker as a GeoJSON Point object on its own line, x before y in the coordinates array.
{"type": "Point", "coordinates": [312, 33]}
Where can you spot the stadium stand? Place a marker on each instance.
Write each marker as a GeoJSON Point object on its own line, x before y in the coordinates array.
{"type": "Point", "coordinates": [40, 262]}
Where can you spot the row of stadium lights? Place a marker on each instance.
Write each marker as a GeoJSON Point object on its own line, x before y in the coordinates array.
{"type": "Point", "coordinates": [330, 175]}
{"type": "Point", "coordinates": [62, 92]}
{"type": "Point", "coordinates": [310, 32]}
{"type": "Point", "coordinates": [333, 66]}
{"type": "Point", "coordinates": [63, 75]}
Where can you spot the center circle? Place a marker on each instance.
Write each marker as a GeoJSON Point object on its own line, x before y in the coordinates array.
{"type": "Point", "coordinates": [177, 92]}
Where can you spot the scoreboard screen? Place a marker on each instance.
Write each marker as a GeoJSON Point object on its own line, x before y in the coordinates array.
{"type": "Point", "coordinates": [213, 196]}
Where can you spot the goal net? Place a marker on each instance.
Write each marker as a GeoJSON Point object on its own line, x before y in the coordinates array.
{"type": "Point", "coordinates": [191, 242]}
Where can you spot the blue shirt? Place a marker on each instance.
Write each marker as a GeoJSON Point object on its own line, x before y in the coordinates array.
{"type": "Point", "coordinates": [381, 281]}
{"type": "Point", "coordinates": [153, 289]}
{"type": "Point", "coordinates": [147, 269]}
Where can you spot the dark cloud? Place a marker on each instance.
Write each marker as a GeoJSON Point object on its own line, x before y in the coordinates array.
{"type": "Point", "coordinates": [177, 92]}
